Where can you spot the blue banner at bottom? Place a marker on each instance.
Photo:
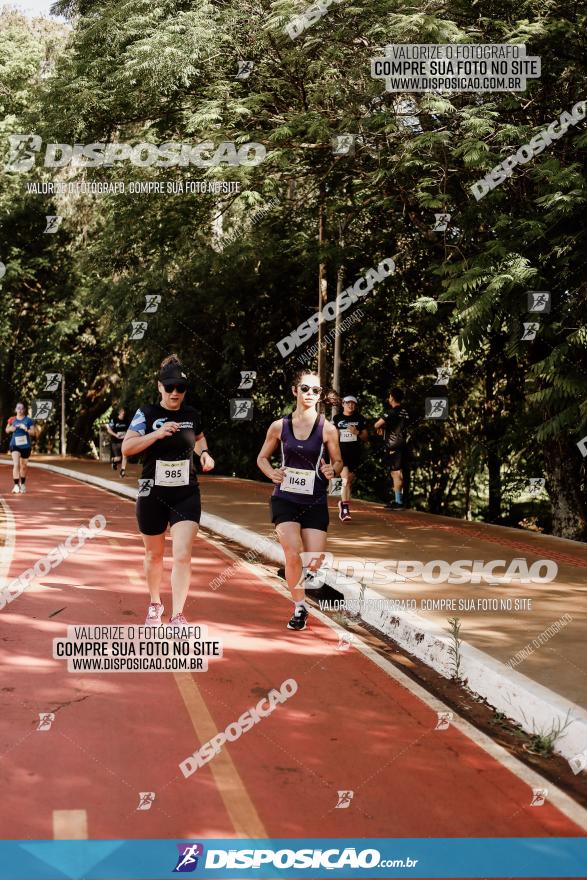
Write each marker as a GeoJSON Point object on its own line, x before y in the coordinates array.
{"type": "Point", "coordinates": [304, 858]}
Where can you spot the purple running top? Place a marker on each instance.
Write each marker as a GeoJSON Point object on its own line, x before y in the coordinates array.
{"type": "Point", "coordinates": [303, 455]}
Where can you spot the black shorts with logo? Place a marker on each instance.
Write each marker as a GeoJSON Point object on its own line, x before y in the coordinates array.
{"type": "Point", "coordinates": [395, 459]}
{"type": "Point", "coordinates": [309, 516]}
{"type": "Point", "coordinates": [156, 511]}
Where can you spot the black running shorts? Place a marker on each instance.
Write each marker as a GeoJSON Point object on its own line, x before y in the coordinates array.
{"type": "Point", "coordinates": [309, 516]}
{"type": "Point", "coordinates": [24, 453]}
{"type": "Point", "coordinates": [395, 459]}
{"type": "Point", "coordinates": [351, 456]}
{"type": "Point", "coordinates": [154, 513]}
{"type": "Point", "coordinates": [116, 448]}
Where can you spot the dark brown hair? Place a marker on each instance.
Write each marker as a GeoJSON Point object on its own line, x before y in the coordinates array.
{"type": "Point", "coordinates": [171, 359]}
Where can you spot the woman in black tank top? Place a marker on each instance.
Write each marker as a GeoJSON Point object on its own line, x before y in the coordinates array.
{"type": "Point", "coordinates": [299, 506]}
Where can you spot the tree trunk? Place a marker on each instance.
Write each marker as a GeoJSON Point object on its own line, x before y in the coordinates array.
{"type": "Point", "coordinates": [492, 431]}
{"type": "Point", "coordinates": [563, 484]}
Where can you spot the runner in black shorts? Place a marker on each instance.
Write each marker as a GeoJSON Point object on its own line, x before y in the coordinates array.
{"type": "Point", "coordinates": [21, 428]}
{"type": "Point", "coordinates": [167, 434]}
{"type": "Point", "coordinates": [299, 506]}
{"type": "Point", "coordinates": [352, 431]}
{"type": "Point", "coordinates": [394, 425]}
{"type": "Point", "coordinates": [117, 428]}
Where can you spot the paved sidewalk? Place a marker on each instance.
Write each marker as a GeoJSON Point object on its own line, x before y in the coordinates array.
{"type": "Point", "coordinates": [374, 535]}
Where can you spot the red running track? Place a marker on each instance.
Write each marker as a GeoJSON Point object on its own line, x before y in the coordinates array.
{"type": "Point", "coordinates": [350, 726]}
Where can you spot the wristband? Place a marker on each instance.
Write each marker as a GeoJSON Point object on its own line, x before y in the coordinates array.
{"type": "Point", "coordinates": [205, 450]}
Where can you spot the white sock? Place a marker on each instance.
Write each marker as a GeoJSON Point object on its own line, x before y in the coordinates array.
{"type": "Point", "coordinates": [301, 604]}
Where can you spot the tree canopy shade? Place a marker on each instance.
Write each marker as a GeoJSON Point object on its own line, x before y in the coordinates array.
{"type": "Point", "coordinates": [238, 271]}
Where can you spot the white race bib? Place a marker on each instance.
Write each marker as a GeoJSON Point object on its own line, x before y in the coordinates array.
{"type": "Point", "coordinates": [21, 441]}
{"type": "Point", "coordinates": [172, 473]}
{"type": "Point", "coordinates": [298, 481]}
{"type": "Point", "coordinates": [348, 437]}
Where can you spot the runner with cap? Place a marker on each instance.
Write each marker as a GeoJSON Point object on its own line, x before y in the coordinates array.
{"type": "Point", "coordinates": [21, 428]}
{"type": "Point", "coordinates": [168, 433]}
{"type": "Point", "coordinates": [352, 431]}
{"type": "Point", "coordinates": [299, 503]}
{"type": "Point", "coordinates": [117, 428]}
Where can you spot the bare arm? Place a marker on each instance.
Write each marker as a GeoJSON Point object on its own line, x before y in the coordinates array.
{"type": "Point", "coordinates": [380, 423]}
{"type": "Point", "coordinates": [330, 437]}
{"type": "Point", "coordinates": [134, 442]}
{"type": "Point", "coordinates": [271, 443]}
{"type": "Point", "coordinates": [206, 459]}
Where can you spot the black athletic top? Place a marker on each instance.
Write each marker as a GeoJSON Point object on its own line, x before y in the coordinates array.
{"type": "Point", "coordinates": [118, 426]}
{"type": "Point", "coordinates": [173, 449]}
{"type": "Point", "coordinates": [396, 424]}
{"type": "Point", "coordinates": [343, 422]}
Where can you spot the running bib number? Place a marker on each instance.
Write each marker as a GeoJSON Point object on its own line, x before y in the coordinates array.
{"type": "Point", "coordinates": [298, 481]}
{"type": "Point", "coordinates": [348, 437]}
{"type": "Point", "coordinates": [21, 440]}
{"type": "Point", "coordinates": [172, 473]}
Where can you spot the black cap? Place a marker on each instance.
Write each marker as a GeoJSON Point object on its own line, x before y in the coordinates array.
{"type": "Point", "coordinates": [172, 373]}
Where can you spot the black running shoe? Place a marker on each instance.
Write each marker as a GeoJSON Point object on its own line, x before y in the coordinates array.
{"type": "Point", "coordinates": [281, 573]}
{"type": "Point", "coordinates": [298, 619]}
{"type": "Point", "coordinates": [122, 472]}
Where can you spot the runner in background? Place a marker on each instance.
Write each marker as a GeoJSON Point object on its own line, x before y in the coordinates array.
{"type": "Point", "coordinates": [117, 428]}
{"type": "Point", "coordinates": [167, 433]}
{"type": "Point", "coordinates": [299, 504]}
{"type": "Point", "coordinates": [394, 424]}
{"type": "Point", "coordinates": [21, 428]}
{"type": "Point", "coordinates": [351, 433]}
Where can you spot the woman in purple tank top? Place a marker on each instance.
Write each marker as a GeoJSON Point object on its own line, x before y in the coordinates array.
{"type": "Point", "coordinates": [299, 506]}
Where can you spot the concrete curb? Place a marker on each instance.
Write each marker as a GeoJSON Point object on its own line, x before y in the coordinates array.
{"type": "Point", "coordinates": [536, 708]}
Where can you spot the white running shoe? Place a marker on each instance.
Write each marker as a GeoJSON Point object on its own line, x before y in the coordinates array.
{"type": "Point", "coordinates": [23, 490]}
{"type": "Point", "coordinates": [16, 490]}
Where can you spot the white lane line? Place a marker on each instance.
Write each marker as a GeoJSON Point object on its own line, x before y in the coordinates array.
{"type": "Point", "coordinates": [7, 548]}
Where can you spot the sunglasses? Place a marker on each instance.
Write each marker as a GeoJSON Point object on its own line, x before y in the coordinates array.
{"type": "Point", "coordinates": [179, 387]}
{"type": "Point", "coordinates": [315, 389]}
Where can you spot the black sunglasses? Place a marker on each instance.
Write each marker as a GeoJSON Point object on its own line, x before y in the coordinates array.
{"type": "Point", "coordinates": [315, 389]}
{"type": "Point", "coordinates": [179, 387]}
